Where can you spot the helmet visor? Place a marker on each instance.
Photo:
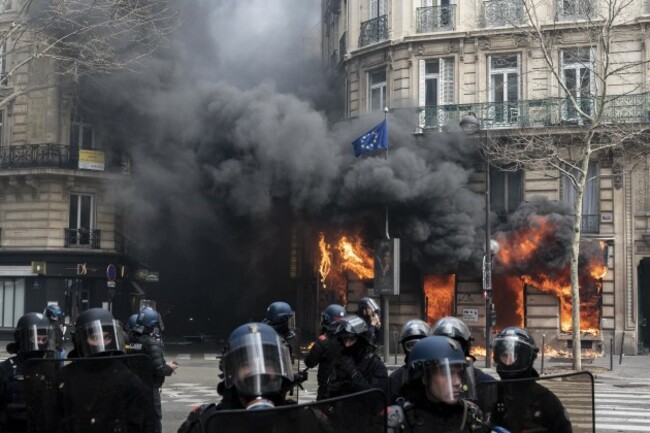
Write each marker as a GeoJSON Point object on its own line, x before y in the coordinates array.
{"type": "Point", "coordinates": [444, 381]}
{"type": "Point", "coordinates": [512, 354]}
{"type": "Point", "coordinates": [256, 365]}
{"type": "Point", "coordinates": [99, 337]}
{"type": "Point", "coordinates": [37, 338]}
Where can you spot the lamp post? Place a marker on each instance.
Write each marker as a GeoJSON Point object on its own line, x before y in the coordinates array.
{"type": "Point", "coordinates": [470, 126]}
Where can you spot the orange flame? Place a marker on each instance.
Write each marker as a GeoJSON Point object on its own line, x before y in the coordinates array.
{"type": "Point", "coordinates": [522, 247]}
{"type": "Point", "coordinates": [478, 351]}
{"type": "Point", "coordinates": [336, 265]}
{"type": "Point", "coordinates": [439, 296]}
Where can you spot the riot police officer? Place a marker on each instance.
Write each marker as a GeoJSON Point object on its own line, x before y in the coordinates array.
{"type": "Point", "coordinates": [26, 396]}
{"type": "Point", "coordinates": [431, 391]}
{"type": "Point", "coordinates": [146, 340]}
{"type": "Point", "coordinates": [54, 314]}
{"type": "Point", "coordinates": [98, 391]}
{"type": "Point", "coordinates": [359, 367]}
{"type": "Point", "coordinates": [456, 329]}
{"type": "Point", "coordinates": [412, 331]}
{"type": "Point", "coordinates": [250, 381]}
{"type": "Point", "coordinates": [326, 348]}
{"type": "Point", "coordinates": [524, 405]}
{"type": "Point", "coordinates": [370, 312]}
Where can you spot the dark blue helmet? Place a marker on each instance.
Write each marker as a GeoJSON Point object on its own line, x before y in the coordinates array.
{"type": "Point", "coordinates": [53, 312]}
{"type": "Point", "coordinates": [149, 320]}
{"type": "Point", "coordinates": [281, 317]}
{"type": "Point", "coordinates": [256, 361]}
{"type": "Point", "coordinates": [331, 314]}
{"type": "Point", "coordinates": [132, 324]}
{"type": "Point", "coordinates": [514, 352]}
{"type": "Point", "coordinates": [34, 333]}
{"type": "Point", "coordinates": [97, 332]}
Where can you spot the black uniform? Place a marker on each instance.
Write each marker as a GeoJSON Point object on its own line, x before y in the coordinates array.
{"type": "Point", "coordinates": [353, 374]}
{"type": "Point", "coordinates": [427, 417]}
{"type": "Point", "coordinates": [324, 352]}
{"type": "Point", "coordinates": [529, 406]}
{"type": "Point", "coordinates": [103, 395]}
{"type": "Point", "coordinates": [153, 348]}
{"type": "Point", "coordinates": [27, 395]}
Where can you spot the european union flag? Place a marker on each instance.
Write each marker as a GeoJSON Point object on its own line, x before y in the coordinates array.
{"type": "Point", "coordinates": [375, 139]}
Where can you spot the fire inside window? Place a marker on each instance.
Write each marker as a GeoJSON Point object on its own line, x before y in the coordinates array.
{"type": "Point", "coordinates": [439, 295]}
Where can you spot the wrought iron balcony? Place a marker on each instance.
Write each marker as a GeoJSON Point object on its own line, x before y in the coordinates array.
{"type": "Point", "coordinates": [50, 155]}
{"type": "Point", "coordinates": [373, 31]}
{"type": "Point", "coordinates": [567, 10]}
{"type": "Point", "coordinates": [82, 238]}
{"type": "Point", "coordinates": [435, 18]}
{"type": "Point", "coordinates": [537, 113]}
{"type": "Point", "coordinates": [497, 13]}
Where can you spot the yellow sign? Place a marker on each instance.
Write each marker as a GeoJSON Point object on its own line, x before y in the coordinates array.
{"type": "Point", "coordinates": [91, 159]}
{"type": "Point", "coordinates": [39, 268]}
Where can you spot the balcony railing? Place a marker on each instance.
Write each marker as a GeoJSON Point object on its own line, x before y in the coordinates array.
{"type": "Point", "coordinates": [497, 13]}
{"type": "Point", "coordinates": [537, 112]}
{"type": "Point", "coordinates": [373, 31]}
{"type": "Point", "coordinates": [567, 10]}
{"type": "Point", "coordinates": [82, 238]}
{"type": "Point", "coordinates": [435, 18]}
{"type": "Point", "coordinates": [50, 155]}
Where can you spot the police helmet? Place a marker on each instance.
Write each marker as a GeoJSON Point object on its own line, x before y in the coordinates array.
{"type": "Point", "coordinates": [256, 361]}
{"type": "Point", "coordinates": [514, 352]}
{"type": "Point", "coordinates": [132, 324]}
{"type": "Point", "coordinates": [352, 326]}
{"type": "Point", "coordinates": [97, 332]}
{"type": "Point", "coordinates": [412, 331]}
{"type": "Point", "coordinates": [281, 317]}
{"type": "Point", "coordinates": [366, 304]}
{"type": "Point", "coordinates": [149, 320]}
{"type": "Point", "coordinates": [331, 314]}
{"type": "Point", "coordinates": [455, 328]}
{"type": "Point", "coordinates": [53, 312]}
{"type": "Point", "coordinates": [438, 363]}
{"type": "Point", "coordinates": [34, 333]}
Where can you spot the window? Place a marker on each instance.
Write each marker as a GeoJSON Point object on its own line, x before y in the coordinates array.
{"type": "Point", "coordinates": [82, 218]}
{"type": "Point", "coordinates": [377, 90]}
{"type": "Point", "coordinates": [506, 190]}
{"type": "Point", "coordinates": [436, 88]}
{"type": "Point", "coordinates": [81, 133]}
{"type": "Point", "coordinates": [573, 9]}
{"type": "Point", "coordinates": [504, 89]}
{"type": "Point", "coordinates": [12, 300]}
{"type": "Point", "coordinates": [503, 12]}
{"type": "Point", "coordinates": [577, 66]}
{"type": "Point", "coordinates": [435, 15]}
{"type": "Point", "coordinates": [590, 199]}
{"type": "Point", "coordinates": [377, 8]}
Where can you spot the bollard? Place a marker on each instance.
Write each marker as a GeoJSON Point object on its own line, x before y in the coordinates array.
{"type": "Point", "coordinates": [611, 354]}
{"type": "Point", "coordinates": [543, 350]}
{"type": "Point", "coordinates": [620, 358]}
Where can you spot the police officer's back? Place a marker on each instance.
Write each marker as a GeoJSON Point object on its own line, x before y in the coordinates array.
{"type": "Point", "coordinates": [27, 385]}
{"type": "Point", "coordinates": [524, 405]}
{"type": "Point", "coordinates": [98, 390]}
{"type": "Point", "coordinates": [412, 331]}
{"type": "Point", "coordinates": [326, 348]}
{"type": "Point", "coordinates": [432, 382]}
{"type": "Point", "coordinates": [281, 317]}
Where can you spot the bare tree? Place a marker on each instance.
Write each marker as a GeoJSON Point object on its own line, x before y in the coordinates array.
{"type": "Point", "coordinates": [587, 56]}
{"type": "Point", "coordinates": [63, 40]}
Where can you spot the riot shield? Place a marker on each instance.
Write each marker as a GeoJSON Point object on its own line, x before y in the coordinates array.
{"type": "Point", "coordinates": [363, 412]}
{"type": "Point", "coordinates": [99, 394]}
{"type": "Point", "coordinates": [29, 396]}
{"type": "Point", "coordinates": [555, 404]}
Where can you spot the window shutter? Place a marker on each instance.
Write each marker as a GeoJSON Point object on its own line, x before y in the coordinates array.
{"type": "Point", "coordinates": [446, 81]}
{"type": "Point", "coordinates": [422, 93]}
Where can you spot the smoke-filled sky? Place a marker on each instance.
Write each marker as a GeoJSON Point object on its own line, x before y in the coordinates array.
{"type": "Point", "coordinates": [231, 143]}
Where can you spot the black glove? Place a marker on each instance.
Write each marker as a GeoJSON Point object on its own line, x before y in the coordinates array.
{"type": "Point", "coordinates": [300, 377]}
{"type": "Point", "coordinates": [346, 367]}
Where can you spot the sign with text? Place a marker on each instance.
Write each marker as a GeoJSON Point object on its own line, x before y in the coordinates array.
{"type": "Point", "coordinates": [470, 315]}
{"type": "Point", "coordinates": [386, 265]}
{"type": "Point", "coordinates": [91, 159]}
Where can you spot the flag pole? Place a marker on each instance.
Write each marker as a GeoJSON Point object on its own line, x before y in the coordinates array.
{"type": "Point", "coordinates": [384, 298]}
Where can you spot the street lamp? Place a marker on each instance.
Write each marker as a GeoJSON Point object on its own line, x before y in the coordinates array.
{"type": "Point", "coordinates": [470, 126]}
